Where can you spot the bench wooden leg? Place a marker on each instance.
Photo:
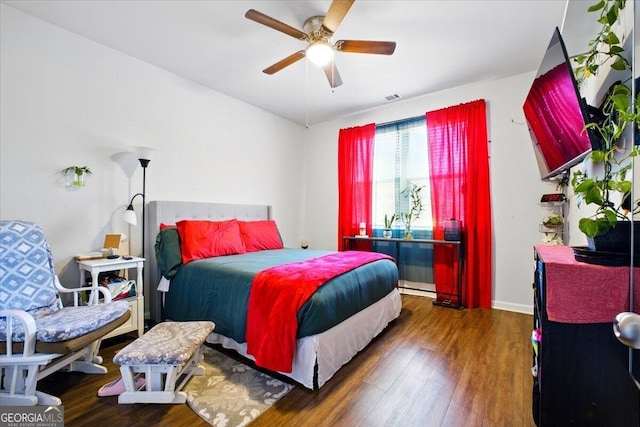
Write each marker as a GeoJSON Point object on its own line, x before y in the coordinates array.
{"type": "Point", "coordinates": [162, 382]}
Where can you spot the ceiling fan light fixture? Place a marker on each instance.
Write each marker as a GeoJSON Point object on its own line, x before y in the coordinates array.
{"type": "Point", "coordinates": [320, 52]}
{"type": "Point", "coordinates": [318, 36]}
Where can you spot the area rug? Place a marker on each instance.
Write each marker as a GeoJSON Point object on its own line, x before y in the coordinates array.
{"type": "Point", "coordinates": [230, 393]}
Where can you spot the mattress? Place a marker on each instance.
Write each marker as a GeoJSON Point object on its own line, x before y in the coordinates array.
{"type": "Point", "coordinates": [218, 288]}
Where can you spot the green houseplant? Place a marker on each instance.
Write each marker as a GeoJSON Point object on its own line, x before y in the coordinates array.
{"type": "Point", "coordinates": [412, 192]}
{"type": "Point", "coordinates": [388, 223]}
{"type": "Point", "coordinates": [75, 175]}
{"type": "Point", "coordinates": [610, 190]}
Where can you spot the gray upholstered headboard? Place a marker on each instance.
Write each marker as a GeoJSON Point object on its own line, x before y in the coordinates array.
{"type": "Point", "coordinates": [169, 212]}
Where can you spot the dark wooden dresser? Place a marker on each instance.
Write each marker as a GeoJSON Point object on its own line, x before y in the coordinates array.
{"type": "Point", "coordinates": [580, 370]}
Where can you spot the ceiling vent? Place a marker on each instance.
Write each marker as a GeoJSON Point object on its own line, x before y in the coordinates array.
{"type": "Point", "coordinates": [392, 97]}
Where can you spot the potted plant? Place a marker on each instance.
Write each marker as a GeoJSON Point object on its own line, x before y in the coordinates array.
{"type": "Point", "coordinates": [609, 191]}
{"type": "Point", "coordinates": [388, 223]}
{"type": "Point", "coordinates": [75, 175]}
{"type": "Point", "coordinates": [415, 208]}
{"type": "Point", "coordinates": [552, 229]}
{"type": "Point", "coordinates": [554, 220]}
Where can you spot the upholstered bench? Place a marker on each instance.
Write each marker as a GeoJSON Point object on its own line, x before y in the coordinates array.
{"type": "Point", "coordinates": [168, 356]}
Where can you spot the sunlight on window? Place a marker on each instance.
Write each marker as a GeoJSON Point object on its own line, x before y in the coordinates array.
{"type": "Point", "coordinates": [400, 159]}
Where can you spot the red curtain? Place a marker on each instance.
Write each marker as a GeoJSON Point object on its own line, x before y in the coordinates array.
{"type": "Point", "coordinates": [460, 189]}
{"type": "Point", "coordinates": [355, 174]}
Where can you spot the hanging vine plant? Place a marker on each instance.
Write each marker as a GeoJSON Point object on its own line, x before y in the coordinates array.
{"type": "Point", "coordinates": [606, 43]}
{"type": "Point", "coordinates": [619, 112]}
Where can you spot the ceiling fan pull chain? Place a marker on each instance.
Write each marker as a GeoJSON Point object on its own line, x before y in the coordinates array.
{"type": "Point", "coordinates": [306, 120]}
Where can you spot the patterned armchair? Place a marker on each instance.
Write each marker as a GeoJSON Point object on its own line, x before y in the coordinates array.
{"type": "Point", "coordinates": [38, 335]}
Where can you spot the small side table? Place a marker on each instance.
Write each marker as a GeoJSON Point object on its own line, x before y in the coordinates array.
{"type": "Point", "coordinates": [136, 304]}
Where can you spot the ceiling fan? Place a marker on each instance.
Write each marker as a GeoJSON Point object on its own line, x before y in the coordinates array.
{"type": "Point", "coordinates": [318, 33]}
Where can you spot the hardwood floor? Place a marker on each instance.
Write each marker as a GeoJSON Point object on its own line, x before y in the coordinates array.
{"type": "Point", "coordinates": [433, 366]}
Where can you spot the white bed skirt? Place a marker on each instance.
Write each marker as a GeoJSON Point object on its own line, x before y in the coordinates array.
{"type": "Point", "coordinates": [332, 348]}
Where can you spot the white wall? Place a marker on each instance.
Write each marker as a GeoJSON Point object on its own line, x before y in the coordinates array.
{"type": "Point", "coordinates": [70, 101]}
{"type": "Point", "coordinates": [515, 181]}
{"type": "Point", "coordinates": [66, 101]}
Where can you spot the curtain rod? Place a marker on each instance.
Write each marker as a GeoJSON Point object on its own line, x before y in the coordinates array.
{"type": "Point", "coordinates": [395, 122]}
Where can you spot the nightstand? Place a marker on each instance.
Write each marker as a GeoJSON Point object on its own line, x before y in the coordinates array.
{"type": "Point", "coordinates": [136, 304]}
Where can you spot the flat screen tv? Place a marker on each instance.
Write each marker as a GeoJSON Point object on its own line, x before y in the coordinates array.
{"type": "Point", "coordinates": [556, 113]}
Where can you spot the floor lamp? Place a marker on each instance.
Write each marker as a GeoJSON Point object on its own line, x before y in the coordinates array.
{"type": "Point", "coordinates": [129, 215]}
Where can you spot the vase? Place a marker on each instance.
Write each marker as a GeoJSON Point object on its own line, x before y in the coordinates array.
{"type": "Point", "coordinates": [78, 180]}
{"type": "Point", "coordinates": [386, 233]}
{"type": "Point", "coordinates": [407, 232]}
{"type": "Point", "coordinates": [617, 239]}
{"type": "Point", "coordinates": [74, 180]}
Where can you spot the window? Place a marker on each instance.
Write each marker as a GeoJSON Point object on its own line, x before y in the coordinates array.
{"type": "Point", "coordinates": [400, 158]}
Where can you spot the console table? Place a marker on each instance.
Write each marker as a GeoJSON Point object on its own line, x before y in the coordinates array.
{"type": "Point", "coordinates": [446, 302]}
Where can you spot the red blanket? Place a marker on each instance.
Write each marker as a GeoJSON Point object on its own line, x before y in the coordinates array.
{"type": "Point", "coordinates": [278, 293]}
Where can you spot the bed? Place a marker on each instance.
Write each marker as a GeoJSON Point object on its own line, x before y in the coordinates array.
{"type": "Point", "coordinates": [339, 319]}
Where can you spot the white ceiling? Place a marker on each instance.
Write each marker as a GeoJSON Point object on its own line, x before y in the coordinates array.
{"type": "Point", "coordinates": [440, 44]}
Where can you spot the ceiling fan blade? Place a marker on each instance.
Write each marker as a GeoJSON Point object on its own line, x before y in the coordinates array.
{"type": "Point", "coordinates": [331, 71]}
{"type": "Point", "coordinates": [263, 19]}
{"type": "Point", "coordinates": [284, 63]}
{"type": "Point", "coordinates": [336, 13]}
{"type": "Point", "coordinates": [365, 46]}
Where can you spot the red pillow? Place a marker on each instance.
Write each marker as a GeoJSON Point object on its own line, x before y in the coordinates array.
{"type": "Point", "coordinates": [206, 239]}
{"type": "Point", "coordinates": [259, 235]}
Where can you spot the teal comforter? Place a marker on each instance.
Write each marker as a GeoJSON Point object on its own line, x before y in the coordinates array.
{"type": "Point", "coordinates": [217, 289]}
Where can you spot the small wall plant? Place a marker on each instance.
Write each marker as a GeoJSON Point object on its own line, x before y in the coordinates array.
{"type": "Point", "coordinates": [75, 175]}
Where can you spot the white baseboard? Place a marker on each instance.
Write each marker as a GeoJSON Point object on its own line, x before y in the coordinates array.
{"type": "Point", "coordinates": [508, 306]}
{"type": "Point", "coordinates": [417, 293]}
{"type": "Point", "coordinates": [428, 290]}
{"type": "Point", "coordinates": [417, 289]}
